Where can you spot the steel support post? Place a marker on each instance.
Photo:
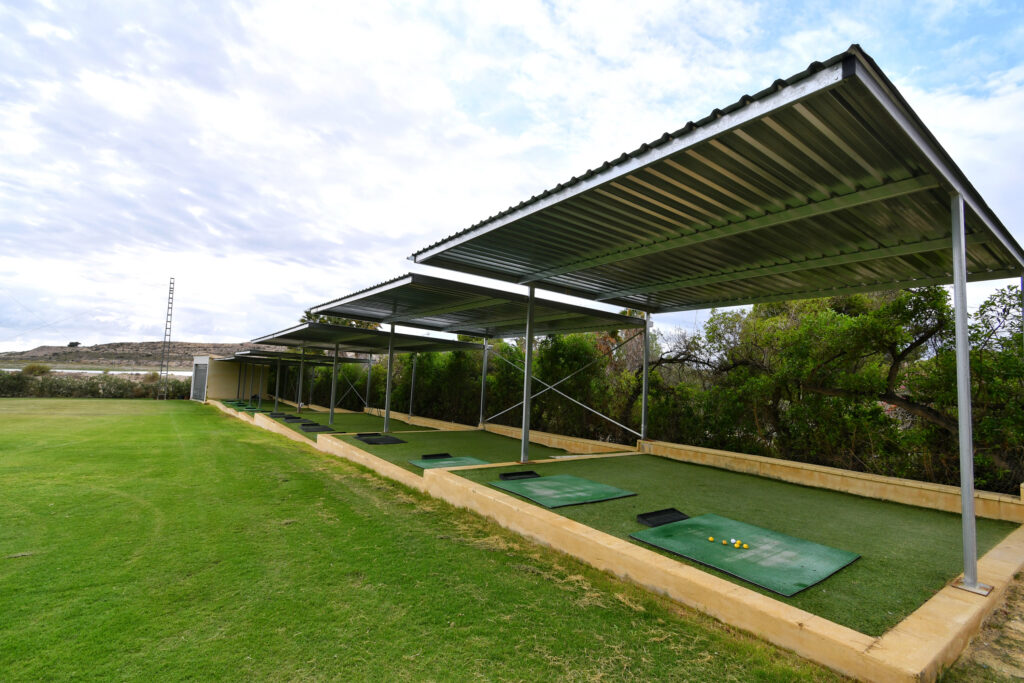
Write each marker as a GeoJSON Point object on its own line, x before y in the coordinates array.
{"type": "Point", "coordinates": [238, 389]}
{"type": "Point", "coordinates": [334, 384]}
{"type": "Point", "coordinates": [312, 381]}
{"type": "Point", "coordinates": [369, 371]}
{"type": "Point", "coordinates": [259, 389]}
{"type": "Point", "coordinates": [251, 373]}
{"type": "Point", "coordinates": [963, 401]}
{"type": "Point", "coordinates": [302, 371]}
{"type": "Point", "coordinates": [646, 375]}
{"type": "Point", "coordinates": [387, 382]}
{"type": "Point", "coordinates": [524, 447]}
{"type": "Point", "coordinates": [277, 383]}
{"type": "Point", "coordinates": [412, 383]}
{"type": "Point", "coordinates": [483, 385]}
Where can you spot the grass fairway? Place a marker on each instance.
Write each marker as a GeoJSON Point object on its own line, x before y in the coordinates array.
{"type": "Point", "coordinates": [907, 553]}
{"type": "Point", "coordinates": [166, 540]}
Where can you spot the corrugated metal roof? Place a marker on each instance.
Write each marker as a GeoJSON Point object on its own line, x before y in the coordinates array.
{"type": "Point", "coordinates": [824, 183]}
{"type": "Point", "coordinates": [292, 356]}
{"type": "Point", "coordinates": [287, 362]}
{"type": "Point", "coordinates": [434, 303]}
{"type": "Point", "coordinates": [320, 336]}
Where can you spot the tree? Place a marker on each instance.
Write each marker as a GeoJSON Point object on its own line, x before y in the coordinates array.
{"type": "Point", "coordinates": [72, 345]}
{"type": "Point", "coordinates": [309, 317]}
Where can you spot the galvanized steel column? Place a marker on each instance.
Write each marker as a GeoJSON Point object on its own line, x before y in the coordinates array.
{"type": "Point", "coordinates": [238, 389]}
{"type": "Point", "coordinates": [250, 398]}
{"type": "Point", "coordinates": [412, 384]}
{"type": "Point", "coordinates": [277, 383]}
{"type": "Point", "coordinates": [646, 384]}
{"type": "Point", "coordinates": [302, 371]}
{"type": "Point", "coordinates": [483, 384]}
{"type": "Point", "coordinates": [259, 401]}
{"type": "Point", "coordinates": [387, 383]}
{"type": "Point", "coordinates": [369, 369]}
{"type": "Point", "coordinates": [524, 447]}
{"type": "Point", "coordinates": [963, 397]}
{"type": "Point", "coordinates": [334, 384]}
{"type": "Point", "coordinates": [312, 381]}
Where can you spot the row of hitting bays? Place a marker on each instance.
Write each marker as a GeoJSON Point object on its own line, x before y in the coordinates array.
{"type": "Point", "coordinates": [826, 183]}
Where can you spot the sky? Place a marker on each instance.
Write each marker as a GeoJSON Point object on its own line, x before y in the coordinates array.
{"type": "Point", "coordinates": [271, 156]}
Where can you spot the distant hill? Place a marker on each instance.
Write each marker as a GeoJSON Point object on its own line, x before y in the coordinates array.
{"type": "Point", "coordinates": [122, 355]}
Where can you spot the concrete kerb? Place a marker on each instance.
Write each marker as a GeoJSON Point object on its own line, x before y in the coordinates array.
{"type": "Point", "coordinates": [422, 421]}
{"type": "Point", "coordinates": [570, 444]}
{"type": "Point", "coordinates": [894, 489]}
{"type": "Point", "coordinates": [916, 649]}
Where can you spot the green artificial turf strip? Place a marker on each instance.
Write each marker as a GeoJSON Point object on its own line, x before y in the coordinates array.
{"type": "Point", "coordinates": [560, 490]}
{"type": "Point", "coordinates": [447, 462]}
{"type": "Point", "coordinates": [165, 540]}
{"type": "Point", "coordinates": [485, 446]}
{"type": "Point", "coordinates": [907, 553]}
{"type": "Point", "coordinates": [783, 564]}
{"type": "Point", "coordinates": [343, 422]}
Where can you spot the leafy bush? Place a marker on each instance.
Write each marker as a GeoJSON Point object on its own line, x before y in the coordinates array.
{"type": "Point", "coordinates": [36, 369]}
{"type": "Point", "coordinates": [18, 384]}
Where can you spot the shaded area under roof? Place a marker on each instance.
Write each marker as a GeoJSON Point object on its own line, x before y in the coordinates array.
{"type": "Point", "coordinates": [285, 358]}
{"type": "Point", "coordinates": [434, 303]}
{"type": "Point", "coordinates": [825, 183]}
{"type": "Point", "coordinates": [321, 336]}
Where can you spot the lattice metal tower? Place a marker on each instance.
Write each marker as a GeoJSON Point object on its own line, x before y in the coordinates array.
{"type": "Point", "coordinates": [165, 352]}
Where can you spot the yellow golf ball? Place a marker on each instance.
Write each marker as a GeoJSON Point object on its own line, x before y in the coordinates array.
{"type": "Point", "coordinates": [745, 545]}
{"type": "Point", "coordinates": [725, 542]}
{"type": "Point", "coordinates": [736, 545]}
{"type": "Point", "coordinates": [711, 538]}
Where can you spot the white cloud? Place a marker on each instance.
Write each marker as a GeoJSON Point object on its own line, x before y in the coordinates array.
{"type": "Point", "coordinates": [277, 154]}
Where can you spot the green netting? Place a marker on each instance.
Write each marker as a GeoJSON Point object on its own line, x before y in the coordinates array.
{"type": "Point", "coordinates": [447, 462]}
{"type": "Point", "coordinates": [783, 564]}
{"type": "Point", "coordinates": [560, 490]}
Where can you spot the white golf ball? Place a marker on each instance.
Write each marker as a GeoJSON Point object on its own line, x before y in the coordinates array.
{"type": "Point", "coordinates": [732, 540]}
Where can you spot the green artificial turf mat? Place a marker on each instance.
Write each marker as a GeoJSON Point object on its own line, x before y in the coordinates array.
{"type": "Point", "coordinates": [447, 462]}
{"type": "Point", "coordinates": [561, 490]}
{"type": "Point", "coordinates": [783, 564]}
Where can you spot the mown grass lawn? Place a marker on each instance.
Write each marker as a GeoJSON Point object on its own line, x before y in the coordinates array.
{"type": "Point", "coordinates": [166, 540]}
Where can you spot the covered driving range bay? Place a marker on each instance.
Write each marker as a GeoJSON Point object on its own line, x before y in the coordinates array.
{"type": "Point", "coordinates": [906, 553]}
{"type": "Point", "coordinates": [824, 184]}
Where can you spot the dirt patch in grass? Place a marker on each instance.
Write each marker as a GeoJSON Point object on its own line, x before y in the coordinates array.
{"type": "Point", "coordinates": [997, 652]}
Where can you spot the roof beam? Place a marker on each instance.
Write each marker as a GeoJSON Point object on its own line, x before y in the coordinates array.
{"type": "Point", "coordinates": [937, 244]}
{"type": "Point", "coordinates": [874, 194]}
{"type": "Point", "coordinates": [409, 316]}
{"type": "Point", "coordinates": [841, 291]}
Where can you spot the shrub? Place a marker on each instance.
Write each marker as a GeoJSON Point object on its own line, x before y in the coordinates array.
{"type": "Point", "coordinates": [36, 369]}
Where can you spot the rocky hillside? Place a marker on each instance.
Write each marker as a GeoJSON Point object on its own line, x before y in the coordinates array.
{"type": "Point", "coordinates": [121, 355]}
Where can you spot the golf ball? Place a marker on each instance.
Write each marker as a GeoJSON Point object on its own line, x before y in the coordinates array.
{"type": "Point", "coordinates": [725, 542]}
{"type": "Point", "coordinates": [736, 545]}
{"type": "Point", "coordinates": [745, 546]}
{"type": "Point", "coordinates": [732, 540]}
{"type": "Point", "coordinates": [711, 538]}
